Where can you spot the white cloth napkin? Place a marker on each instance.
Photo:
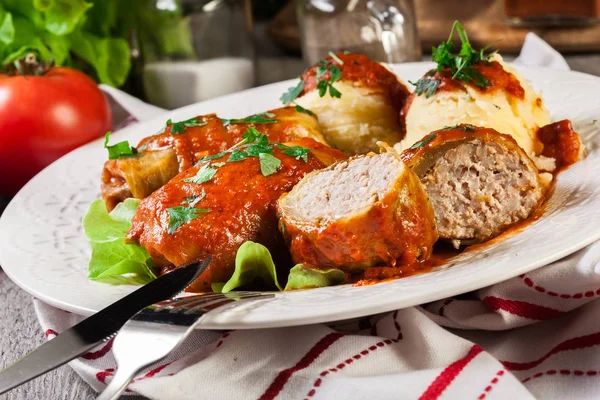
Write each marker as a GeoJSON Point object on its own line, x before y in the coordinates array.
{"type": "Point", "coordinates": [534, 336]}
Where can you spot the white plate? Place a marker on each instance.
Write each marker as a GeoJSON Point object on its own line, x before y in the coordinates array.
{"type": "Point", "coordinates": [43, 249]}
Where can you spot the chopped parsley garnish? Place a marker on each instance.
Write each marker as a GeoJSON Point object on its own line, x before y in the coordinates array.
{"type": "Point", "coordinates": [262, 118]}
{"type": "Point", "coordinates": [118, 150]}
{"type": "Point", "coordinates": [269, 164]}
{"type": "Point", "coordinates": [297, 152]}
{"type": "Point", "coordinates": [181, 215]}
{"type": "Point", "coordinates": [304, 110]}
{"type": "Point", "coordinates": [292, 93]}
{"type": "Point", "coordinates": [324, 85]}
{"type": "Point", "coordinates": [254, 144]}
{"type": "Point", "coordinates": [423, 142]}
{"type": "Point", "coordinates": [204, 174]}
{"type": "Point", "coordinates": [427, 86]}
{"type": "Point", "coordinates": [179, 127]}
{"type": "Point", "coordinates": [461, 65]}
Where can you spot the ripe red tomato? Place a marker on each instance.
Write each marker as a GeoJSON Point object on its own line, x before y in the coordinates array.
{"type": "Point", "coordinates": [44, 117]}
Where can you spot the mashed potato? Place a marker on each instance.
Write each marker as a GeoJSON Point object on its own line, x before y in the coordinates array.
{"type": "Point", "coordinates": [357, 120]}
{"type": "Point", "coordinates": [496, 109]}
{"type": "Point", "coordinates": [369, 106]}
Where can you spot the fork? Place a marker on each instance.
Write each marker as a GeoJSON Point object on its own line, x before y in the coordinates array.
{"type": "Point", "coordinates": [151, 334]}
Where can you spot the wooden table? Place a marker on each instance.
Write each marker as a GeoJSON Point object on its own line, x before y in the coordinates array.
{"type": "Point", "coordinates": [19, 329]}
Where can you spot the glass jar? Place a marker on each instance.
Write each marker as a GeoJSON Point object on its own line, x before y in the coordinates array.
{"type": "Point", "coordinates": [385, 30]}
{"type": "Point", "coordinates": [195, 50]}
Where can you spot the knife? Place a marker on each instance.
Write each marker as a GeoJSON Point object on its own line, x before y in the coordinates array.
{"type": "Point", "coordinates": [84, 336]}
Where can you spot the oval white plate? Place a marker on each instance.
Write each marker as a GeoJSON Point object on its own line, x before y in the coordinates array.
{"type": "Point", "coordinates": [43, 249]}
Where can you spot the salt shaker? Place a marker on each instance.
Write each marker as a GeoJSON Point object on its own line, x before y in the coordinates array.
{"type": "Point", "coordinates": [385, 30]}
{"type": "Point", "coordinates": [198, 50]}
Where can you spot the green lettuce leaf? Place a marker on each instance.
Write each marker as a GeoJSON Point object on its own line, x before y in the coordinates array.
{"type": "Point", "coordinates": [110, 57]}
{"type": "Point", "coordinates": [62, 16]}
{"type": "Point", "coordinates": [114, 260]}
{"type": "Point", "coordinates": [302, 277]}
{"type": "Point", "coordinates": [253, 262]}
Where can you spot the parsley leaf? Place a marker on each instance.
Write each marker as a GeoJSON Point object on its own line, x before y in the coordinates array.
{"type": "Point", "coordinates": [179, 127]}
{"type": "Point", "coordinates": [269, 164]}
{"type": "Point", "coordinates": [203, 175]}
{"type": "Point", "coordinates": [333, 92]}
{"type": "Point", "coordinates": [423, 142]}
{"type": "Point", "coordinates": [252, 135]}
{"type": "Point", "coordinates": [263, 118]}
{"type": "Point", "coordinates": [304, 110]}
{"type": "Point", "coordinates": [427, 86]}
{"type": "Point", "coordinates": [119, 150]}
{"type": "Point", "coordinates": [211, 157]}
{"type": "Point", "coordinates": [297, 152]}
{"type": "Point", "coordinates": [237, 155]}
{"type": "Point", "coordinates": [256, 149]}
{"type": "Point", "coordinates": [180, 215]}
{"type": "Point", "coordinates": [292, 93]}
{"type": "Point", "coordinates": [322, 88]}
{"type": "Point", "coordinates": [461, 65]}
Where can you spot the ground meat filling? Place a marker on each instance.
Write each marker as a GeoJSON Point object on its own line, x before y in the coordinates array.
{"type": "Point", "coordinates": [345, 189]}
{"type": "Point", "coordinates": [478, 189]}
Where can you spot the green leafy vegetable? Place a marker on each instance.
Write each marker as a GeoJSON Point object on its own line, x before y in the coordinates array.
{"type": "Point", "coordinates": [113, 259]}
{"type": "Point", "coordinates": [461, 64]}
{"type": "Point", "coordinates": [119, 150]}
{"type": "Point", "coordinates": [179, 127]}
{"type": "Point", "coordinates": [427, 86]}
{"type": "Point", "coordinates": [292, 93]}
{"type": "Point", "coordinates": [204, 174]}
{"type": "Point", "coordinates": [423, 141]}
{"type": "Point", "coordinates": [237, 155]}
{"type": "Point", "coordinates": [298, 152]}
{"type": "Point", "coordinates": [181, 215]}
{"type": "Point", "coordinates": [211, 157]}
{"type": "Point", "coordinates": [263, 118]}
{"type": "Point", "coordinates": [302, 277]}
{"type": "Point", "coordinates": [304, 110]}
{"type": "Point", "coordinates": [269, 164]}
{"type": "Point", "coordinates": [253, 262]}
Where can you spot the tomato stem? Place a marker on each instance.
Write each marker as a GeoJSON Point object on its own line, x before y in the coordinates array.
{"type": "Point", "coordinates": [29, 65]}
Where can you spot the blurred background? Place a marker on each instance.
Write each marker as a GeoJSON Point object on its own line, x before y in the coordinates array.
{"type": "Point", "coordinates": [168, 52]}
{"type": "Point", "coordinates": [172, 53]}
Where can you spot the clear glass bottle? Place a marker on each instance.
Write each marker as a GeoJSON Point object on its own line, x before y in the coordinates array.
{"type": "Point", "coordinates": [194, 50]}
{"type": "Point", "coordinates": [385, 30]}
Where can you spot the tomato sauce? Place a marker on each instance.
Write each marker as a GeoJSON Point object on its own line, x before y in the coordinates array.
{"type": "Point", "coordinates": [561, 142]}
{"type": "Point", "coordinates": [499, 79]}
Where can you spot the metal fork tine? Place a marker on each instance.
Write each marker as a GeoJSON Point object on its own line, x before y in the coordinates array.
{"type": "Point", "coordinates": [226, 299]}
{"type": "Point", "coordinates": [193, 299]}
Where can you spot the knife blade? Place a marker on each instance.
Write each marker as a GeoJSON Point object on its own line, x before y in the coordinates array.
{"type": "Point", "coordinates": [84, 336]}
